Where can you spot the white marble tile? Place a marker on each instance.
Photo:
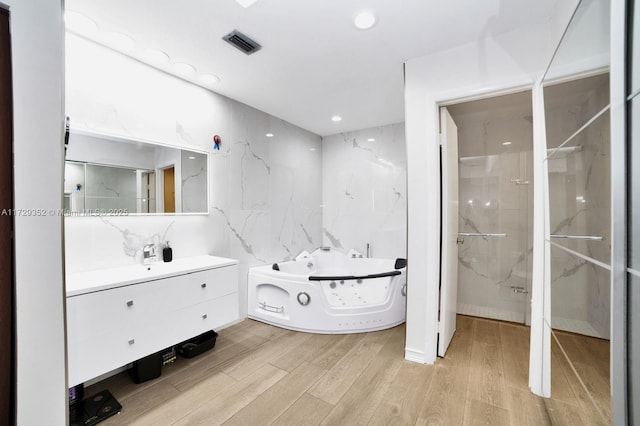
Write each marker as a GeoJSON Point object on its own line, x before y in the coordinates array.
{"type": "Point", "coordinates": [492, 201]}
{"type": "Point", "coordinates": [194, 182]}
{"type": "Point", "coordinates": [364, 191]}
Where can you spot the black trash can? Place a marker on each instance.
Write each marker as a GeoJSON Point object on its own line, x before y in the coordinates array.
{"type": "Point", "coordinates": [147, 368]}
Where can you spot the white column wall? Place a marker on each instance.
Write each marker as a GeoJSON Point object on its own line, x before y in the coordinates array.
{"type": "Point", "coordinates": [38, 90]}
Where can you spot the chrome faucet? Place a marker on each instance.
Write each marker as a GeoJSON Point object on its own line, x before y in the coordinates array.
{"type": "Point", "coordinates": [149, 254]}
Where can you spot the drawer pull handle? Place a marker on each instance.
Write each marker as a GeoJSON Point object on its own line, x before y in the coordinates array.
{"type": "Point", "coordinates": [203, 285]}
{"type": "Point", "coordinates": [129, 303]}
{"type": "Point", "coordinates": [204, 316]}
{"type": "Point", "coordinates": [132, 341]}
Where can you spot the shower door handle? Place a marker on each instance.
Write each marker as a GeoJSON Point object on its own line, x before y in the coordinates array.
{"type": "Point", "coordinates": [480, 234]}
{"type": "Point", "coordinates": [579, 237]}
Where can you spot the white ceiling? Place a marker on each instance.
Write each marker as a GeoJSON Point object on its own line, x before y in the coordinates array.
{"type": "Point", "coordinates": [314, 63]}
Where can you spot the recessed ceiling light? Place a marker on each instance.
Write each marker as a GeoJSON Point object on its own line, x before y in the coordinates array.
{"type": "Point", "coordinates": [269, 135]}
{"type": "Point", "coordinates": [118, 41]}
{"type": "Point", "coordinates": [506, 143]}
{"type": "Point", "coordinates": [371, 140]}
{"type": "Point", "coordinates": [336, 118]}
{"type": "Point", "coordinates": [209, 79]}
{"type": "Point", "coordinates": [155, 57]}
{"type": "Point", "coordinates": [183, 70]}
{"type": "Point", "coordinates": [79, 23]}
{"type": "Point", "coordinates": [246, 3]}
{"type": "Point", "coordinates": [191, 158]}
{"type": "Point", "coordinates": [364, 20]}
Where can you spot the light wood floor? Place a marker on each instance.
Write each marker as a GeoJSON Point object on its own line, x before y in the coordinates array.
{"type": "Point", "coordinates": [263, 375]}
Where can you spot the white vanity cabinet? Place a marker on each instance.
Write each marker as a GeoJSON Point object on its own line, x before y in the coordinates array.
{"type": "Point", "coordinates": [117, 316]}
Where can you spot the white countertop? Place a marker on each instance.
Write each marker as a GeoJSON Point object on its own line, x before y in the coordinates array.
{"type": "Point", "coordinates": [103, 279]}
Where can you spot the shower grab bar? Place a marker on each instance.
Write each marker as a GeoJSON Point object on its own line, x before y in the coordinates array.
{"type": "Point", "coordinates": [479, 234]}
{"type": "Point", "coordinates": [579, 237]}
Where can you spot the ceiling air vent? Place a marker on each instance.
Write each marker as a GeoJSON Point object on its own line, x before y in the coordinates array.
{"type": "Point", "coordinates": [242, 42]}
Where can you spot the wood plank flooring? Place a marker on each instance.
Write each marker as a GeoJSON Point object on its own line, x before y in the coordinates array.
{"type": "Point", "coordinates": [262, 375]}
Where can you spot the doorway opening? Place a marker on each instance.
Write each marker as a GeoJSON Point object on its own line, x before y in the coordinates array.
{"type": "Point", "coordinates": [494, 181]}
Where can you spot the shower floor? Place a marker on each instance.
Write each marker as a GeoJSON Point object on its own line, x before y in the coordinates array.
{"type": "Point", "coordinates": [490, 312]}
{"type": "Point", "coordinates": [574, 326]}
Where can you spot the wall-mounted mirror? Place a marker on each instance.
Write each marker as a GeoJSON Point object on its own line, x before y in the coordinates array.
{"type": "Point", "coordinates": [107, 174]}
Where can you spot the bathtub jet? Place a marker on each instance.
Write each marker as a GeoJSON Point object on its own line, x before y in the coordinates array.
{"type": "Point", "coordinates": [329, 292]}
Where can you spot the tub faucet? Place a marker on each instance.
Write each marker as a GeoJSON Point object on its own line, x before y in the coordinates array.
{"type": "Point", "coordinates": [149, 254]}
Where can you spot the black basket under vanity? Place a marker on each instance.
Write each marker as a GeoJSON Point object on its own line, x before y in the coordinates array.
{"type": "Point", "coordinates": [199, 344]}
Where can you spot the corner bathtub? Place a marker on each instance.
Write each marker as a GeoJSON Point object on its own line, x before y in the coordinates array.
{"type": "Point", "coordinates": [329, 292]}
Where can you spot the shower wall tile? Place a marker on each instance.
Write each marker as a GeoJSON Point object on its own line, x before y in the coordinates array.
{"type": "Point", "coordinates": [489, 267]}
{"type": "Point", "coordinates": [264, 193]}
{"type": "Point", "coordinates": [580, 293]}
{"type": "Point", "coordinates": [570, 105]}
{"type": "Point", "coordinates": [495, 190]}
{"type": "Point", "coordinates": [364, 191]}
{"type": "Point", "coordinates": [579, 182]}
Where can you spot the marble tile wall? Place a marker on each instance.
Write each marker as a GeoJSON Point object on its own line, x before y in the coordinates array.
{"type": "Point", "coordinates": [264, 193]}
{"type": "Point", "coordinates": [364, 191]}
{"type": "Point", "coordinates": [193, 182]}
{"type": "Point", "coordinates": [490, 202]}
{"type": "Point", "coordinates": [496, 197]}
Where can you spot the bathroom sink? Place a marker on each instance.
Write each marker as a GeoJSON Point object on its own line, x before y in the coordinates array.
{"type": "Point", "coordinates": [102, 279]}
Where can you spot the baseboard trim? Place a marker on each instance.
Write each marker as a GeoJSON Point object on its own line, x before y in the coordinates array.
{"type": "Point", "coordinates": [414, 356]}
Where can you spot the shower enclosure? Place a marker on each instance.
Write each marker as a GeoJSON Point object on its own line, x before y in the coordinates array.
{"type": "Point", "coordinates": [495, 143]}
{"type": "Point", "coordinates": [579, 200]}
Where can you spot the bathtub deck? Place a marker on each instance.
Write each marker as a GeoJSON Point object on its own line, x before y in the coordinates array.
{"type": "Point", "coordinates": [260, 375]}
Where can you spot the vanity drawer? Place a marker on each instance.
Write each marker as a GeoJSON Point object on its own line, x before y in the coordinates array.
{"type": "Point", "coordinates": [93, 314]}
{"type": "Point", "coordinates": [205, 285]}
{"type": "Point", "coordinates": [89, 358]}
{"type": "Point", "coordinates": [189, 322]}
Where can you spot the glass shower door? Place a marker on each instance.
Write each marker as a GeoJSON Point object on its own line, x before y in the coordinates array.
{"type": "Point", "coordinates": [495, 145]}
{"type": "Point", "coordinates": [494, 277]}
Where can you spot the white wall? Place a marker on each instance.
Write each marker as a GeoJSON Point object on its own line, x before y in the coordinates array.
{"type": "Point", "coordinates": [489, 65]}
{"type": "Point", "coordinates": [38, 92]}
